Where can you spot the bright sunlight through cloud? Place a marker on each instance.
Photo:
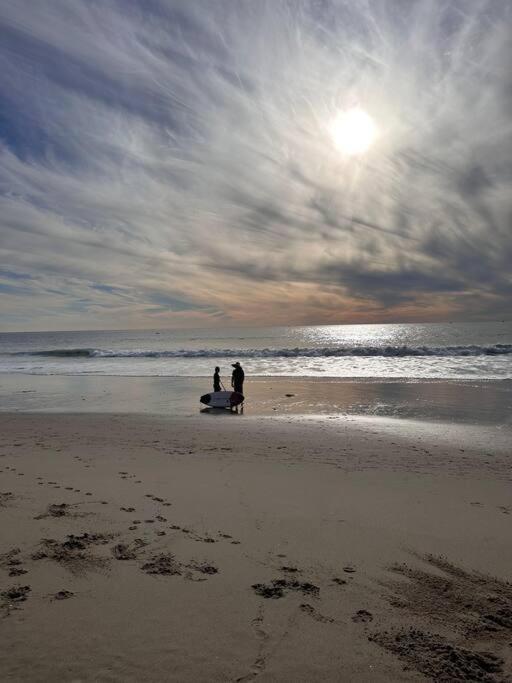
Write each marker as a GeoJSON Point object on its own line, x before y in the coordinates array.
{"type": "Point", "coordinates": [353, 131]}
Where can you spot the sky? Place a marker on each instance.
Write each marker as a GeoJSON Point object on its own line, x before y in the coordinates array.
{"type": "Point", "coordinates": [168, 163]}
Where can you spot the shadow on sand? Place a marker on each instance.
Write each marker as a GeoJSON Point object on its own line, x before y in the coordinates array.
{"type": "Point", "coordinates": [223, 411]}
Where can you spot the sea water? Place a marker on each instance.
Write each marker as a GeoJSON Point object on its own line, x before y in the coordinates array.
{"type": "Point", "coordinates": [409, 351]}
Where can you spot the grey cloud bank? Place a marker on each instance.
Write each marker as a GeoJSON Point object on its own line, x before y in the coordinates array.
{"type": "Point", "coordinates": [170, 163]}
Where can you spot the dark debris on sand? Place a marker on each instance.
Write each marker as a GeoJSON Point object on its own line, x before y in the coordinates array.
{"type": "Point", "coordinates": [6, 497]}
{"type": "Point", "coordinates": [128, 551]}
{"type": "Point", "coordinates": [167, 564]}
{"type": "Point", "coordinates": [10, 557]}
{"type": "Point", "coordinates": [74, 552]}
{"type": "Point", "coordinates": [362, 616]}
{"type": "Point", "coordinates": [12, 597]}
{"type": "Point", "coordinates": [55, 510]}
{"type": "Point", "coordinates": [84, 540]}
{"type": "Point", "coordinates": [164, 564]}
{"type": "Point", "coordinates": [340, 582]}
{"type": "Point", "coordinates": [63, 595]}
{"type": "Point", "coordinates": [12, 563]}
{"type": "Point", "coordinates": [278, 587]}
{"type": "Point", "coordinates": [435, 657]}
{"type": "Point", "coordinates": [203, 567]}
{"type": "Point", "coordinates": [16, 593]}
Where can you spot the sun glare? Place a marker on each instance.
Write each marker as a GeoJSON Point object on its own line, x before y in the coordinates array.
{"type": "Point", "coordinates": [353, 131]}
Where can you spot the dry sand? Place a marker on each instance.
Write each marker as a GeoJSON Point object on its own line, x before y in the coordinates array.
{"type": "Point", "coordinates": [135, 548]}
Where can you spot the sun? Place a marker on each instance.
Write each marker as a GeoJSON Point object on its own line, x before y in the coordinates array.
{"type": "Point", "coordinates": [353, 131]}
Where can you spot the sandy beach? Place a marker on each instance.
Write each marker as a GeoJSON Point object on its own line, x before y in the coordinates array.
{"type": "Point", "coordinates": [255, 341]}
{"type": "Point", "coordinates": [289, 548]}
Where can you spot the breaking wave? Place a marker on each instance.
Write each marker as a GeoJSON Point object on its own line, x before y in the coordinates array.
{"type": "Point", "coordinates": [326, 352]}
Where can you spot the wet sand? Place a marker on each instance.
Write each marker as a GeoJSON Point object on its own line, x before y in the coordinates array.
{"type": "Point", "coordinates": [280, 549]}
{"type": "Point", "coordinates": [469, 401]}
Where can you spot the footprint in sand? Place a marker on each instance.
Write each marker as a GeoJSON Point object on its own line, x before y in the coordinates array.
{"type": "Point", "coordinates": [11, 597]}
{"type": "Point", "coordinates": [340, 582]}
{"type": "Point", "coordinates": [122, 551]}
{"type": "Point", "coordinates": [312, 612]}
{"type": "Point", "coordinates": [362, 616]}
{"type": "Point", "coordinates": [277, 588]}
{"type": "Point", "coordinates": [55, 510]}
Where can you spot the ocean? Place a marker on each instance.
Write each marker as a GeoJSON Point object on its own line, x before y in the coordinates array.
{"type": "Point", "coordinates": [408, 351]}
{"type": "Point", "coordinates": [439, 372]}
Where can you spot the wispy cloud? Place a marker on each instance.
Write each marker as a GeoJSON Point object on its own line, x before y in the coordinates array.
{"type": "Point", "coordinates": [164, 162]}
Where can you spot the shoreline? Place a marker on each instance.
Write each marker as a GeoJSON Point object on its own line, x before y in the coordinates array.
{"type": "Point", "coordinates": [286, 546]}
{"type": "Point", "coordinates": [265, 378]}
{"type": "Point", "coordinates": [486, 402]}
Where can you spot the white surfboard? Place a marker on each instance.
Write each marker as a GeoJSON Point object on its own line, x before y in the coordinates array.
{"type": "Point", "coordinates": [222, 399]}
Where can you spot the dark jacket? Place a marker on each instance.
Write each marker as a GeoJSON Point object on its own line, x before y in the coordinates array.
{"type": "Point", "coordinates": [237, 379]}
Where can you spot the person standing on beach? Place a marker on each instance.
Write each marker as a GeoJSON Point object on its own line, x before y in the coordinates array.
{"type": "Point", "coordinates": [216, 379]}
{"type": "Point", "coordinates": [237, 378]}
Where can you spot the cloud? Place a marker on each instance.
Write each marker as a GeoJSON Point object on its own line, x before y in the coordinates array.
{"type": "Point", "coordinates": [170, 163]}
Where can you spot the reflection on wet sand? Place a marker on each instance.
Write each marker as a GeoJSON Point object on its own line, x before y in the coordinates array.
{"type": "Point", "coordinates": [475, 401]}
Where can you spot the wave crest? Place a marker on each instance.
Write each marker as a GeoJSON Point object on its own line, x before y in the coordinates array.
{"type": "Point", "coordinates": [326, 352]}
